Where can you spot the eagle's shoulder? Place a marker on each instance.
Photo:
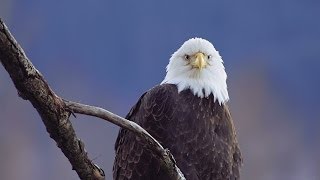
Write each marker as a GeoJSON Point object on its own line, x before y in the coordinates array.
{"type": "Point", "coordinates": [156, 95]}
{"type": "Point", "coordinates": [152, 101]}
{"type": "Point", "coordinates": [163, 90]}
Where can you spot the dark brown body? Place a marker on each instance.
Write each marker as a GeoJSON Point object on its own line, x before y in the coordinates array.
{"type": "Point", "coordinates": [198, 131]}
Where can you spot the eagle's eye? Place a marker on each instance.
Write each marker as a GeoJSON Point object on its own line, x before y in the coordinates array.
{"type": "Point", "coordinates": [209, 56]}
{"type": "Point", "coordinates": [186, 57]}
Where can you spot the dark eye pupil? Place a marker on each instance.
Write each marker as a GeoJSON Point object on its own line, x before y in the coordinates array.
{"type": "Point", "coordinates": [187, 56]}
{"type": "Point", "coordinates": [209, 57]}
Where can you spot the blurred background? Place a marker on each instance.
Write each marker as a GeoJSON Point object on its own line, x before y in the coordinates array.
{"type": "Point", "coordinates": [107, 53]}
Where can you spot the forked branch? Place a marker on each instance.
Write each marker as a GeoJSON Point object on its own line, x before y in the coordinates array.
{"type": "Point", "coordinates": [55, 112]}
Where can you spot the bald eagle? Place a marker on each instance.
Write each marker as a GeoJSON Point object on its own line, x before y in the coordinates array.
{"type": "Point", "coordinates": [186, 113]}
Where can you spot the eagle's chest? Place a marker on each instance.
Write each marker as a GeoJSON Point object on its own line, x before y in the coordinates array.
{"type": "Point", "coordinates": [188, 121]}
{"type": "Point", "coordinates": [196, 113]}
{"type": "Point", "coordinates": [198, 132]}
{"type": "Point", "coordinates": [198, 136]}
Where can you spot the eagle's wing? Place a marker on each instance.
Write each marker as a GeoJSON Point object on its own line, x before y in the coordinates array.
{"type": "Point", "coordinates": [236, 153]}
{"type": "Point", "coordinates": [128, 152]}
{"type": "Point", "coordinates": [132, 160]}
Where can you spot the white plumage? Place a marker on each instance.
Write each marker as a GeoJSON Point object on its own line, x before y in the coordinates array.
{"type": "Point", "coordinates": [209, 80]}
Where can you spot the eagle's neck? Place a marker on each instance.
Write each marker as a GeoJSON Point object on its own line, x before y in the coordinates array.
{"type": "Point", "coordinates": [202, 84]}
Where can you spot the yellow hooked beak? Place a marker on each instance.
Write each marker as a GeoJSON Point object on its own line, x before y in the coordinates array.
{"type": "Point", "coordinates": [199, 61]}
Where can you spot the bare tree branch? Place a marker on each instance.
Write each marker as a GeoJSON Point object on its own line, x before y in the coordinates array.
{"type": "Point", "coordinates": [55, 113]}
{"type": "Point", "coordinates": [32, 86]}
{"type": "Point", "coordinates": [165, 157]}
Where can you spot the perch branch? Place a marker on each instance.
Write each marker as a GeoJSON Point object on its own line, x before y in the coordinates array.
{"type": "Point", "coordinates": [31, 86]}
{"type": "Point", "coordinates": [55, 113]}
{"type": "Point", "coordinates": [149, 142]}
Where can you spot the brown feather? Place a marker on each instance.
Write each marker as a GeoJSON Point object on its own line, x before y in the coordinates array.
{"type": "Point", "coordinates": [198, 131]}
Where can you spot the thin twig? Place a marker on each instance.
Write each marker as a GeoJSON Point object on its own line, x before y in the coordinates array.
{"type": "Point", "coordinates": [115, 119]}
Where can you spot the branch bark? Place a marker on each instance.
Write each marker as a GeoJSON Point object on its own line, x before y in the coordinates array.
{"type": "Point", "coordinates": [55, 113]}
{"type": "Point", "coordinates": [32, 86]}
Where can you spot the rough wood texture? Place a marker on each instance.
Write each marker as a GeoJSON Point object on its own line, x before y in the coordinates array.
{"type": "Point", "coordinates": [32, 86]}
{"type": "Point", "coordinates": [55, 113]}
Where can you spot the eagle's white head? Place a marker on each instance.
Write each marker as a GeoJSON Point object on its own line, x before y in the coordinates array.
{"type": "Point", "coordinates": [197, 66]}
